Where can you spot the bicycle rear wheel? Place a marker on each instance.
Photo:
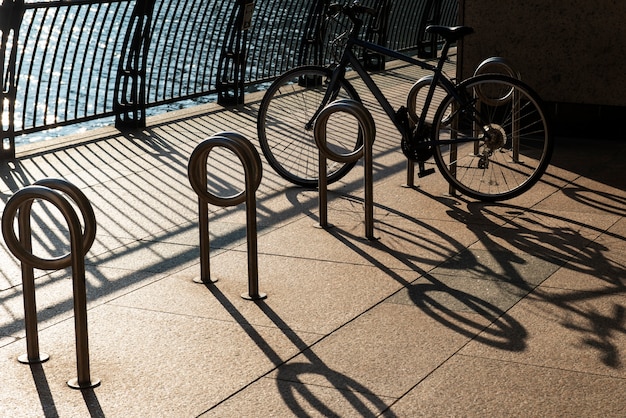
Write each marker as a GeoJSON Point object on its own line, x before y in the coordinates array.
{"type": "Point", "coordinates": [496, 144]}
{"type": "Point", "coordinates": [285, 125]}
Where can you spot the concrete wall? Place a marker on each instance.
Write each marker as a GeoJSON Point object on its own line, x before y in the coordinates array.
{"type": "Point", "coordinates": [570, 52]}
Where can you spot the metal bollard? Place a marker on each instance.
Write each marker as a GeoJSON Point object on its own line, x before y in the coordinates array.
{"type": "Point", "coordinates": [366, 121]}
{"type": "Point", "coordinates": [81, 241]}
{"type": "Point", "coordinates": [197, 173]}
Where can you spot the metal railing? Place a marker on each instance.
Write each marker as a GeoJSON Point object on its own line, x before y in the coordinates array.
{"type": "Point", "coordinates": [64, 62]}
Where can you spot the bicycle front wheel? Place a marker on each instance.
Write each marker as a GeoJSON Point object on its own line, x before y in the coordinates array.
{"type": "Point", "coordinates": [494, 143]}
{"type": "Point", "coordinates": [286, 120]}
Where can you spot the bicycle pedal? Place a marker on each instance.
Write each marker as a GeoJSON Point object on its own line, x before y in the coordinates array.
{"type": "Point", "coordinates": [423, 172]}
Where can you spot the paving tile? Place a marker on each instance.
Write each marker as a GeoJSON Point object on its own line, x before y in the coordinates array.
{"type": "Point", "coordinates": [386, 351]}
{"type": "Point", "coordinates": [402, 242]}
{"type": "Point", "coordinates": [150, 364]}
{"type": "Point", "coordinates": [477, 387]}
{"type": "Point", "coordinates": [569, 330]}
{"type": "Point", "coordinates": [284, 398]}
{"type": "Point", "coordinates": [615, 236]}
{"type": "Point", "coordinates": [589, 196]}
{"type": "Point", "coordinates": [303, 294]}
{"type": "Point", "coordinates": [147, 257]}
{"type": "Point", "coordinates": [137, 213]}
{"type": "Point", "coordinates": [559, 232]}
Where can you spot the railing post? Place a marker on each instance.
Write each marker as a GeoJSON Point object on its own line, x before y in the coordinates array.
{"type": "Point", "coordinates": [11, 15]}
{"type": "Point", "coordinates": [129, 97]}
{"type": "Point", "coordinates": [311, 44]}
{"type": "Point", "coordinates": [431, 16]}
{"type": "Point", "coordinates": [197, 174]}
{"type": "Point", "coordinates": [232, 62]}
{"type": "Point", "coordinates": [367, 126]}
{"type": "Point", "coordinates": [81, 241]}
{"type": "Point", "coordinates": [377, 33]}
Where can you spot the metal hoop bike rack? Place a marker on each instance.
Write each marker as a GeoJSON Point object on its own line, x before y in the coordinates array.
{"type": "Point", "coordinates": [50, 190]}
{"type": "Point", "coordinates": [490, 65]}
{"type": "Point", "coordinates": [197, 173]}
{"type": "Point", "coordinates": [366, 122]}
{"type": "Point", "coordinates": [500, 65]}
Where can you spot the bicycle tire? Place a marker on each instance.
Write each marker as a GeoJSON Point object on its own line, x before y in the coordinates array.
{"type": "Point", "coordinates": [286, 142]}
{"type": "Point", "coordinates": [509, 144]}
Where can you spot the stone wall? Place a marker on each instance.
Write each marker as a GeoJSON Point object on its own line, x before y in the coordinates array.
{"type": "Point", "coordinates": [571, 52]}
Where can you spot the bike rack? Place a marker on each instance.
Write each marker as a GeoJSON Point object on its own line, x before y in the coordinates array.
{"type": "Point", "coordinates": [197, 173]}
{"type": "Point", "coordinates": [366, 122]}
{"type": "Point", "coordinates": [410, 165]}
{"type": "Point", "coordinates": [500, 65]}
{"type": "Point", "coordinates": [497, 65]}
{"type": "Point", "coordinates": [81, 241]}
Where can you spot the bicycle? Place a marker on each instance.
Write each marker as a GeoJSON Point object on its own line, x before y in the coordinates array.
{"type": "Point", "coordinates": [489, 136]}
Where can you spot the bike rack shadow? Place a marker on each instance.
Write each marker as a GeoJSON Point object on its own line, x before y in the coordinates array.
{"type": "Point", "coordinates": [287, 373]}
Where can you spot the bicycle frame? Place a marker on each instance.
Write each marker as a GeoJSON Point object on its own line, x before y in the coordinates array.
{"type": "Point", "coordinates": [475, 136]}
{"type": "Point", "coordinates": [349, 58]}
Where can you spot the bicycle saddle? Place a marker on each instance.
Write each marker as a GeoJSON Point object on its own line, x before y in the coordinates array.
{"type": "Point", "coordinates": [449, 33]}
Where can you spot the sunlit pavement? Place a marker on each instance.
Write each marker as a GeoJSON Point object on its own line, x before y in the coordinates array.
{"type": "Point", "coordinates": [458, 308]}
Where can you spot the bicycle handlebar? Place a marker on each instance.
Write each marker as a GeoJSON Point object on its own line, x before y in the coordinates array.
{"type": "Point", "coordinates": [351, 11]}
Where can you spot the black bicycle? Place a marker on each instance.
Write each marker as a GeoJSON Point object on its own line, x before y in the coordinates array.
{"type": "Point", "coordinates": [489, 135]}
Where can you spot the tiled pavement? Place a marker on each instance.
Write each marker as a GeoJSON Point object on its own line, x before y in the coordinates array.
{"type": "Point", "coordinates": [459, 308]}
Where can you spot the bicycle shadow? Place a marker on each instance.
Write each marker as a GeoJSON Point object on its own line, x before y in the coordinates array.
{"type": "Point", "coordinates": [568, 244]}
{"type": "Point", "coordinates": [462, 310]}
{"type": "Point", "coordinates": [289, 384]}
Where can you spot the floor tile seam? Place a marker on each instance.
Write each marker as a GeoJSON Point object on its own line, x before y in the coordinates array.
{"type": "Point", "coordinates": [541, 366]}
{"type": "Point", "coordinates": [441, 364]}
{"type": "Point", "coordinates": [49, 325]}
{"type": "Point", "coordinates": [152, 270]}
{"type": "Point", "coordinates": [605, 292]}
{"type": "Point", "coordinates": [92, 304]}
{"type": "Point", "coordinates": [433, 273]}
{"type": "Point", "coordinates": [97, 260]}
{"type": "Point", "coordinates": [241, 250]}
{"type": "Point", "coordinates": [10, 340]}
{"type": "Point", "coordinates": [590, 243]}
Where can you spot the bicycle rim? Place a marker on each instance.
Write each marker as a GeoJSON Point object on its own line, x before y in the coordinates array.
{"type": "Point", "coordinates": [498, 145]}
{"type": "Point", "coordinates": [287, 142]}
